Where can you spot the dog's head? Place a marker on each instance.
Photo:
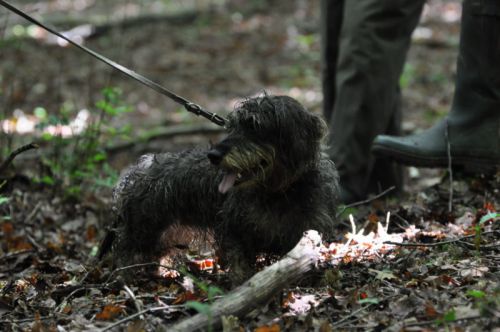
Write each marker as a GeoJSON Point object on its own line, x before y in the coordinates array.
{"type": "Point", "coordinates": [272, 140]}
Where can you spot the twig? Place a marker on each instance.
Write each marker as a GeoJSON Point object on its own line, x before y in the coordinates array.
{"type": "Point", "coordinates": [25, 320]}
{"type": "Point", "coordinates": [366, 200]}
{"type": "Point", "coordinates": [353, 224]}
{"type": "Point", "coordinates": [402, 219]}
{"type": "Point", "coordinates": [16, 253]}
{"type": "Point", "coordinates": [106, 284]}
{"type": "Point", "coordinates": [34, 243]}
{"type": "Point", "coordinates": [431, 322]}
{"type": "Point", "coordinates": [13, 154]}
{"type": "Point", "coordinates": [415, 244]}
{"type": "Point", "coordinates": [130, 267]}
{"type": "Point", "coordinates": [354, 313]}
{"type": "Point", "coordinates": [360, 327]}
{"type": "Point", "coordinates": [76, 289]}
{"type": "Point", "coordinates": [435, 244]}
{"type": "Point", "coordinates": [387, 220]}
{"type": "Point", "coordinates": [450, 170]}
{"type": "Point", "coordinates": [33, 213]}
{"type": "Point", "coordinates": [128, 318]}
{"type": "Point", "coordinates": [95, 265]}
{"type": "Point", "coordinates": [63, 303]}
{"type": "Point", "coordinates": [131, 294]}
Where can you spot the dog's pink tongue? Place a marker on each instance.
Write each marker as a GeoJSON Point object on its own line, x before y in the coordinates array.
{"type": "Point", "coordinates": [227, 182]}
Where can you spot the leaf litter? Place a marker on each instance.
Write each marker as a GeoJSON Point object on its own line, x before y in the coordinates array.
{"type": "Point", "coordinates": [418, 269]}
{"type": "Point", "coordinates": [445, 276]}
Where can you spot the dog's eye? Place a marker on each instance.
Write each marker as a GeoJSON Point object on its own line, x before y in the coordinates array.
{"type": "Point", "coordinates": [248, 125]}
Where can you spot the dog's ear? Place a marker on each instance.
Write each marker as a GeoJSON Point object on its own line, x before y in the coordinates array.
{"type": "Point", "coordinates": [320, 127]}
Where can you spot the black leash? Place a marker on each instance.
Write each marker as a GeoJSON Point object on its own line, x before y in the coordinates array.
{"type": "Point", "coordinates": [189, 106]}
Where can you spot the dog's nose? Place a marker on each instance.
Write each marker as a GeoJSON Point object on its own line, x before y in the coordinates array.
{"type": "Point", "coordinates": [215, 156]}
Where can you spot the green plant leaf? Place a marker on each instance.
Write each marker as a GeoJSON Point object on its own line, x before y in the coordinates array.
{"type": "Point", "coordinates": [94, 251]}
{"type": "Point", "coordinates": [344, 212]}
{"type": "Point", "coordinates": [99, 156]}
{"type": "Point", "coordinates": [449, 316]}
{"type": "Point", "coordinates": [369, 300]}
{"type": "Point", "coordinates": [79, 174]}
{"type": "Point", "coordinates": [40, 112]}
{"type": "Point", "coordinates": [47, 137]}
{"type": "Point", "coordinates": [112, 131]}
{"type": "Point", "coordinates": [201, 308]}
{"type": "Point", "coordinates": [47, 180]}
{"type": "Point", "coordinates": [384, 274]}
{"type": "Point", "coordinates": [3, 200]}
{"type": "Point", "coordinates": [74, 190]}
{"type": "Point", "coordinates": [489, 216]}
{"type": "Point", "coordinates": [476, 293]}
{"type": "Point", "coordinates": [214, 291]}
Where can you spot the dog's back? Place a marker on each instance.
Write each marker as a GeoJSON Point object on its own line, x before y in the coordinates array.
{"type": "Point", "coordinates": [162, 190]}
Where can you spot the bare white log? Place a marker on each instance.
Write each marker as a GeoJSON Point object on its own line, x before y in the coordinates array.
{"type": "Point", "coordinates": [261, 287]}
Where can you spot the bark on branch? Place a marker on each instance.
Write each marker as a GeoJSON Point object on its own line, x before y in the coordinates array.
{"type": "Point", "coordinates": [261, 287]}
{"type": "Point", "coordinates": [13, 154]}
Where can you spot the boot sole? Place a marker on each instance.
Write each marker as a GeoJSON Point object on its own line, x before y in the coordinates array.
{"type": "Point", "coordinates": [469, 164]}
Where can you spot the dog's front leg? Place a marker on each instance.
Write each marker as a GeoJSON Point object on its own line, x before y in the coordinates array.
{"type": "Point", "coordinates": [238, 258]}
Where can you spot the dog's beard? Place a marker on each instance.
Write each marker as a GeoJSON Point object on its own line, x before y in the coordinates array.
{"type": "Point", "coordinates": [246, 166]}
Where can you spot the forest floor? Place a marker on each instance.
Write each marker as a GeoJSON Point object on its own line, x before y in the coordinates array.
{"type": "Point", "coordinates": [54, 201]}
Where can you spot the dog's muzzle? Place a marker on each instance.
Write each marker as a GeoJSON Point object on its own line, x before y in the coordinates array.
{"type": "Point", "coordinates": [216, 156]}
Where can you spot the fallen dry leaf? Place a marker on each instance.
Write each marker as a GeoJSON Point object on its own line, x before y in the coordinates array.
{"type": "Point", "coordinates": [109, 312]}
{"type": "Point", "coordinates": [266, 328]}
{"type": "Point", "coordinates": [186, 296]}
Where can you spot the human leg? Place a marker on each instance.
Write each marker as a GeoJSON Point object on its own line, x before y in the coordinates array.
{"type": "Point", "coordinates": [471, 130]}
{"type": "Point", "coordinates": [374, 40]}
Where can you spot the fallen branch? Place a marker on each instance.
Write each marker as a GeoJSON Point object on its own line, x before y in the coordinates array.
{"type": "Point", "coordinates": [94, 26]}
{"type": "Point", "coordinates": [261, 287]}
{"type": "Point", "coordinates": [13, 154]}
{"type": "Point", "coordinates": [162, 133]}
{"type": "Point", "coordinates": [166, 133]}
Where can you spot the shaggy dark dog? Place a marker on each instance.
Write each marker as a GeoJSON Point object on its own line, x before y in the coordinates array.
{"type": "Point", "coordinates": [258, 190]}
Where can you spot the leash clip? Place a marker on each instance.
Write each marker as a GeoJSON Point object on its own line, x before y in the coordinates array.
{"type": "Point", "coordinates": [194, 108]}
{"type": "Point", "coordinates": [213, 117]}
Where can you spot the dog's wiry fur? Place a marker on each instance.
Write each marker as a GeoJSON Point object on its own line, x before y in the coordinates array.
{"type": "Point", "coordinates": [258, 189]}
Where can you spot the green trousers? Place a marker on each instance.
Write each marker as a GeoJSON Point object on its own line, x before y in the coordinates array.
{"type": "Point", "coordinates": [365, 43]}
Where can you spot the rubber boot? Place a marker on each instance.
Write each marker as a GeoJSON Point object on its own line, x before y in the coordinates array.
{"type": "Point", "coordinates": [469, 136]}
